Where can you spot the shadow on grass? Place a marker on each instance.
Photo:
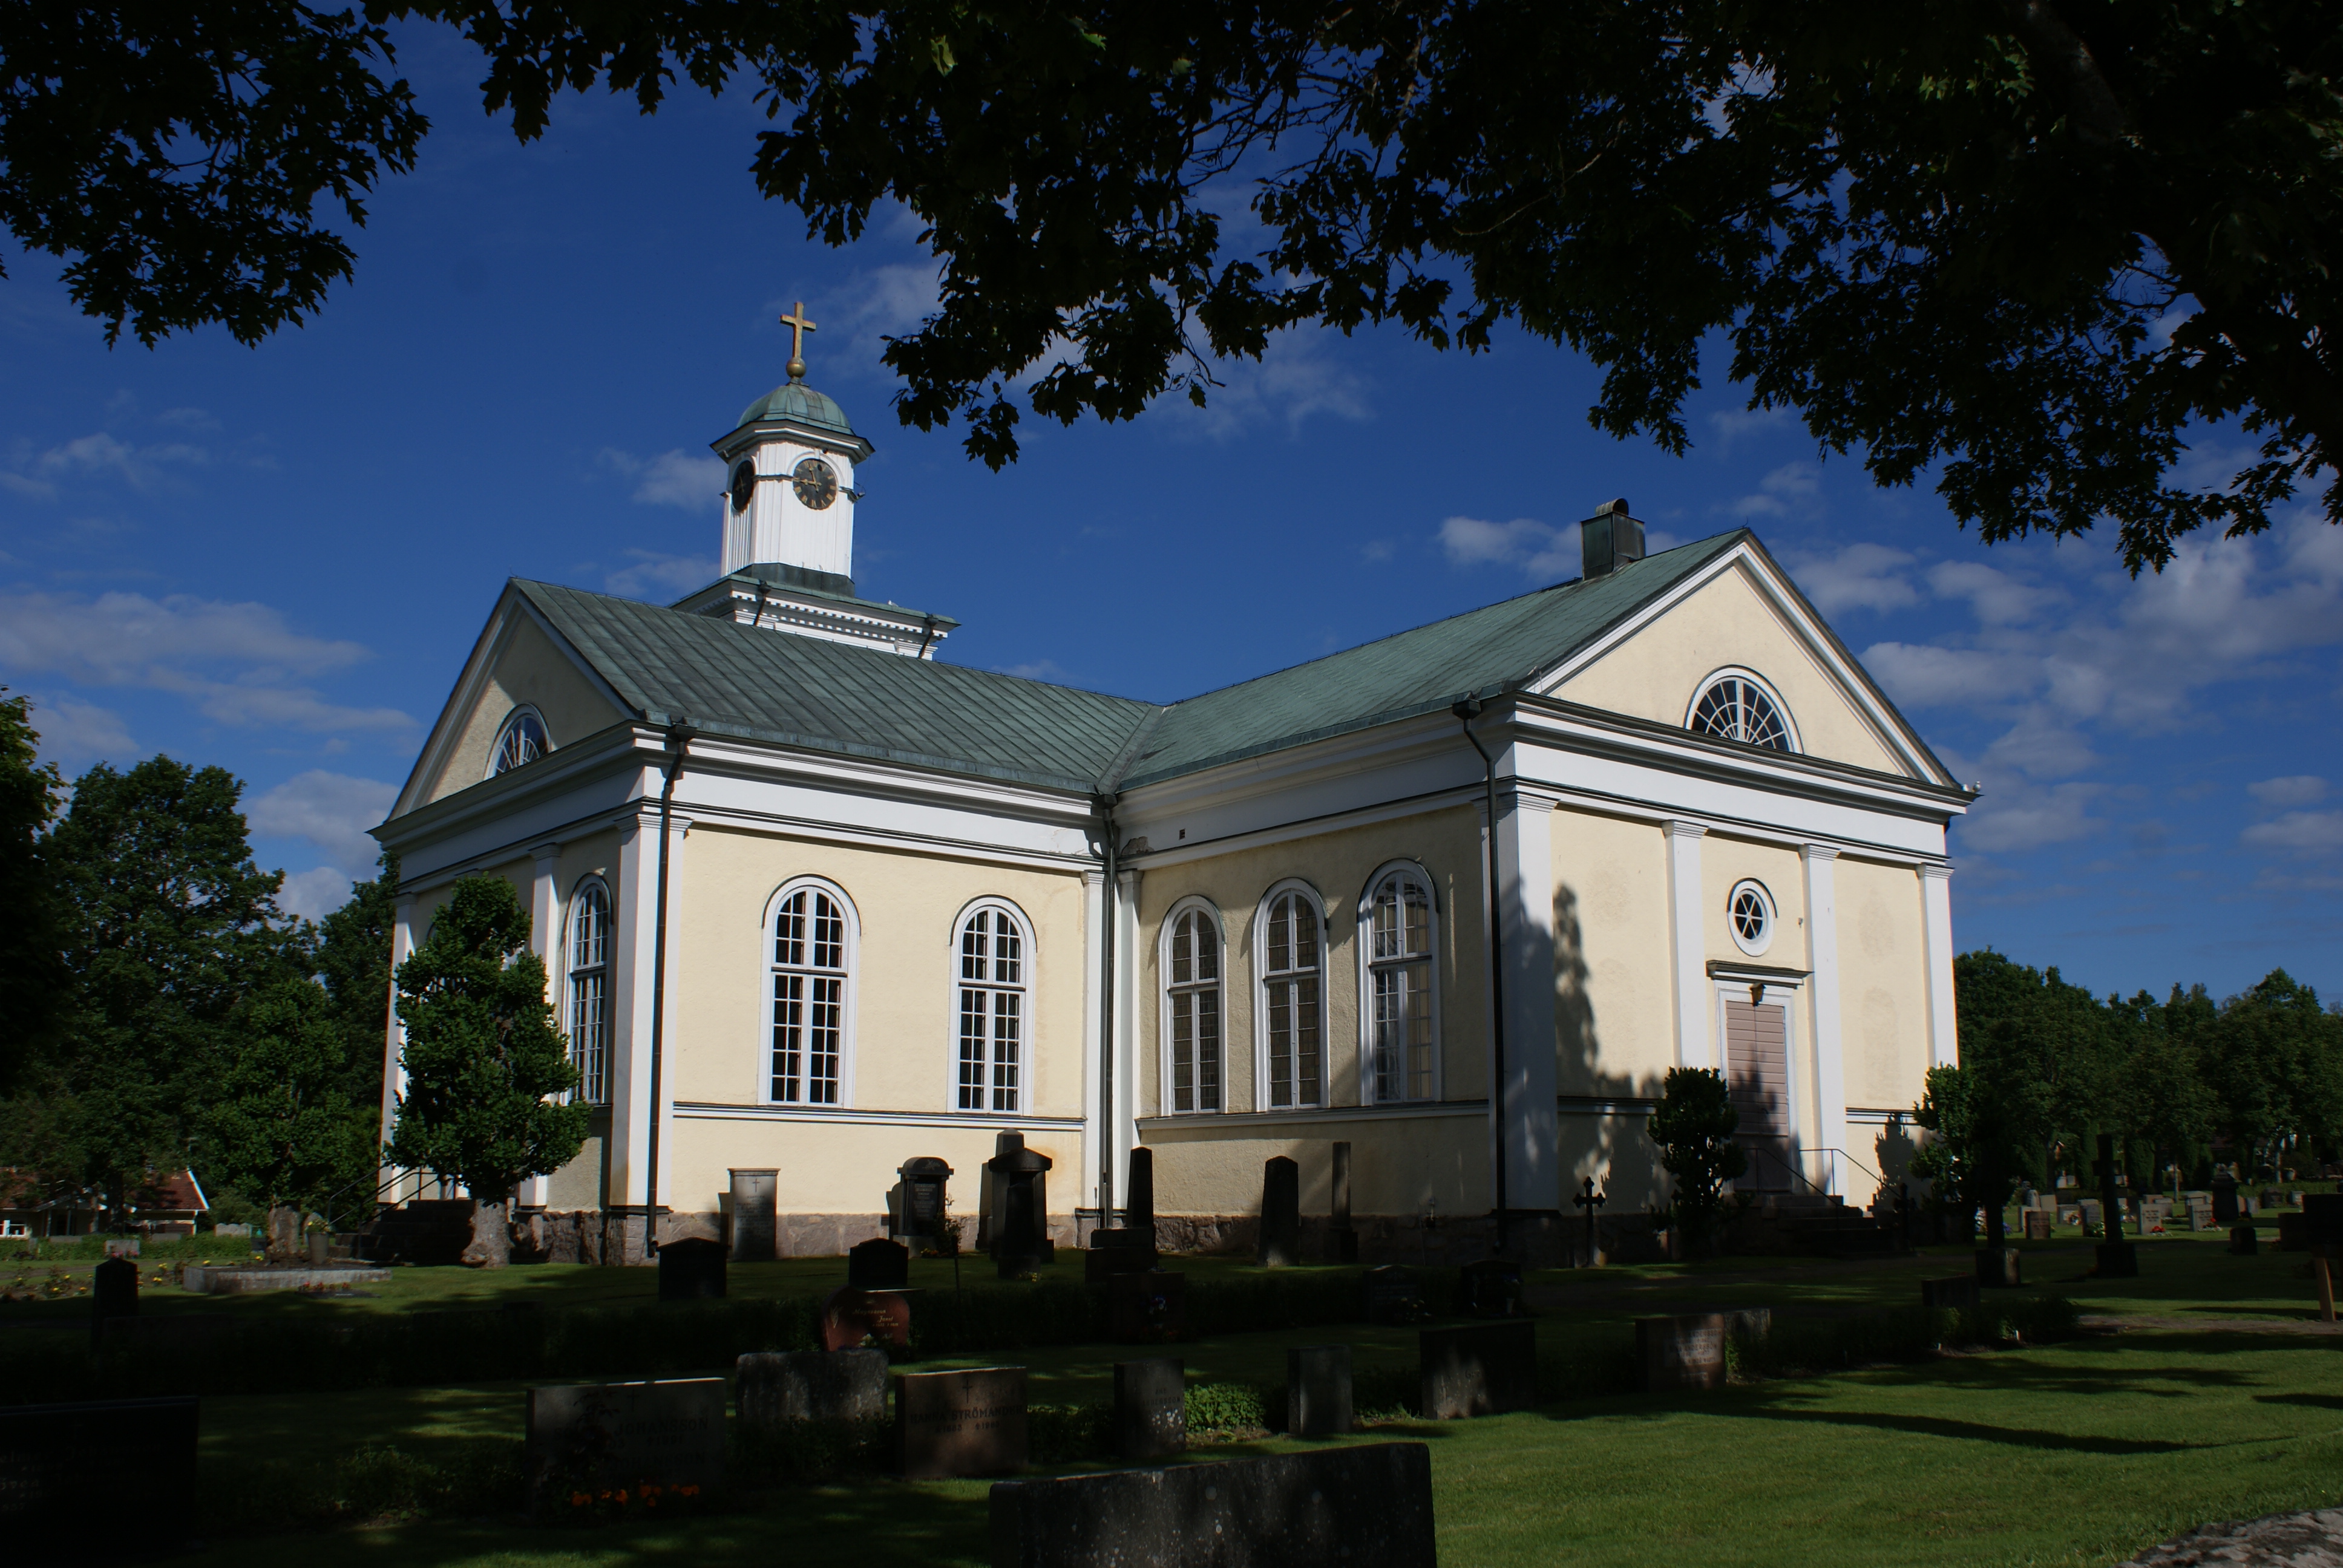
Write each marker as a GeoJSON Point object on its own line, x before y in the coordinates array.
{"type": "Point", "coordinates": [1963, 1431]}
{"type": "Point", "coordinates": [2313, 1401]}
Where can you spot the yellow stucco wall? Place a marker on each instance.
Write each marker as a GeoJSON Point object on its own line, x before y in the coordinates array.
{"type": "Point", "coordinates": [1884, 984]}
{"type": "Point", "coordinates": [847, 1169]}
{"type": "Point", "coordinates": [1447, 844]}
{"type": "Point", "coordinates": [1724, 861]}
{"type": "Point", "coordinates": [530, 669]}
{"type": "Point", "coordinates": [1656, 673]}
{"type": "Point", "coordinates": [1615, 1001]}
{"type": "Point", "coordinates": [1397, 1165]}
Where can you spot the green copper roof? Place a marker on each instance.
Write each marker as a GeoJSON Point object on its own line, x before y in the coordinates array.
{"type": "Point", "coordinates": [796, 400]}
{"type": "Point", "coordinates": [835, 696]}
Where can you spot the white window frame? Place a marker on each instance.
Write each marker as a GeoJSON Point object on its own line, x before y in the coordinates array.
{"type": "Point", "coordinates": [1772, 917]}
{"type": "Point", "coordinates": [1027, 1078]}
{"type": "Point", "coordinates": [766, 968]}
{"type": "Point", "coordinates": [1261, 1081]}
{"type": "Point", "coordinates": [1171, 919]}
{"type": "Point", "coordinates": [1789, 992]}
{"type": "Point", "coordinates": [570, 971]}
{"type": "Point", "coordinates": [1366, 943]}
{"type": "Point", "coordinates": [520, 711]}
{"type": "Point", "coordinates": [1743, 672]}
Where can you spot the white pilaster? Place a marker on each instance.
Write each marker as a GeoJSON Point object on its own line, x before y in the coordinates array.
{"type": "Point", "coordinates": [1936, 921]}
{"type": "Point", "coordinates": [545, 942]}
{"type": "Point", "coordinates": [1523, 1106]}
{"type": "Point", "coordinates": [1696, 1034]}
{"type": "Point", "coordinates": [393, 1066]}
{"type": "Point", "coordinates": [632, 940]}
{"type": "Point", "coordinates": [1823, 1028]}
{"type": "Point", "coordinates": [1132, 1056]}
{"type": "Point", "coordinates": [1098, 1109]}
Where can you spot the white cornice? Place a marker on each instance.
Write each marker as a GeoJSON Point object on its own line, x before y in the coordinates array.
{"type": "Point", "coordinates": [847, 1115]}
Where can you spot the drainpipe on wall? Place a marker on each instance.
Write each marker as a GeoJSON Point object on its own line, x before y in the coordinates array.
{"type": "Point", "coordinates": [1106, 1017]}
{"type": "Point", "coordinates": [1466, 710]}
{"type": "Point", "coordinates": [678, 736]}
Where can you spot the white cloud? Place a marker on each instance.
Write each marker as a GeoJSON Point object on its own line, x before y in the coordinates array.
{"type": "Point", "coordinates": [2302, 832]}
{"type": "Point", "coordinates": [142, 468]}
{"type": "Point", "coordinates": [2296, 789]}
{"type": "Point", "coordinates": [1860, 576]}
{"type": "Point", "coordinates": [1790, 487]}
{"type": "Point", "coordinates": [2020, 816]}
{"type": "Point", "coordinates": [675, 478]}
{"type": "Point", "coordinates": [76, 733]}
{"type": "Point", "coordinates": [652, 576]}
{"type": "Point", "coordinates": [886, 302]}
{"type": "Point", "coordinates": [1039, 669]}
{"type": "Point", "coordinates": [1295, 378]}
{"type": "Point", "coordinates": [1540, 550]}
{"type": "Point", "coordinates": [1926, 676]}
{"type": "Point", "coordinates": [1732, 424]}
{"type": "Point", "coordinates": [239, 662]}
{"type": "Point", "coordinates": [315, 894]}
{"type": "Point", "coordinates": [1998, 598]}
{"type": "Point", "coordinates": [331, 810]}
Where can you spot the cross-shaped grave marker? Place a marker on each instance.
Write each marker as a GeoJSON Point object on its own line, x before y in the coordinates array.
{"type": "Point", "coordinates": [1590, 1200]}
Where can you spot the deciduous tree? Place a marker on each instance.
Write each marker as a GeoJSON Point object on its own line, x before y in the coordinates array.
{"type": "Point", "coordinates": [1693, 1126]}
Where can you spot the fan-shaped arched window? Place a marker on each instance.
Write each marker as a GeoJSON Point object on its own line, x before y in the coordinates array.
{"type": "Point", "coordinates": [1402, 1025]}
{"type": "Point", "coordinates": [995, 979]}
{"type": "Point", "coordinates": [521, 741]}
{"type": "Point", "coordinates": [1191, 1010]}
{"type": "Point", "coordinates": [812, 966]}
{"type": "Point", "coordinates": [588, 950]}
{"type": "Point", "coordinates": [1292, 958]}
{"type": "Point", "coordinates": [1735, 705]}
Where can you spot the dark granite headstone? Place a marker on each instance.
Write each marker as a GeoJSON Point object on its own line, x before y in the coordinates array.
{"type": "Point", "coordinates": [960, 1422]}
{"type": "Point", "coordinates": [1363, 1506]}
{"type": "Point", "coordinates": [922, 1199]}
{"type": "Point", "coordinates": [63, 1468]}
{"type": "Point", "coordinates": [1139, 1194]}
{"type": "Point", "coordinates": [1390, 1295]}
{"type": "Point", "coordinates": [1491, 1287]}
{"type": "Point", "coordinates": [2244, 1241]}
{"type": "Point", "coordinates": [1147, 1309]}
{"type": "Point", "coordinates": [1115, 1251]}
{"type": "Point", "coordinates": [1682, 1352]}
{"type": "Point", "coordinates": [756, 1225]}
{"type": "Point", "coordinates": [2322, 1221]}
{"type": "Point", "coordinates": [113, 1289]}
{"type": "Point", "coordinates": [2038, 1224]}
{"type": "Point", "coordinates": [1151, 1409]}
{"type": "Point", "coordinates": [1343, 1241]}
{"type": "Point", "coordinates": [1485, 1370]}
{"type": "Point", "coordinates": [850, 1315]}
{"type": "Point", "coordinates": [1317, 1391]}
{"type": "Point", "coordinates": [1020, 1238]}
{"type": "Point", "coordinates": [878, 1264]}
{"type": "Point", "coordinates": [691, 1270]}
{"type": "Point", "coordinates": [2226, 1211]}
{"type": "Point", "coordinates": [591, 1436]}
{"type": "Point", "coordinates": [1955, 1293]}
{"type": "Point", "coordinates": [1998, 1266]}
{"type": "Point", "coordinates": [784, 1388]}
{"type": "Point", "coordinates": [1280, 1213]}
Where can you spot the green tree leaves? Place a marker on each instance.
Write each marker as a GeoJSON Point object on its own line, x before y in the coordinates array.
{"type": "Point", "coordinates": [282, 1126]}
{"type": "Point", "coordinates": [33, 977]}
{"type": "Point", "coordinates": [1693, 1126]}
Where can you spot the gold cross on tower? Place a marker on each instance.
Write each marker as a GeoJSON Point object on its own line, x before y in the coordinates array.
{"type": "Point", "coordinates": [799, 326]}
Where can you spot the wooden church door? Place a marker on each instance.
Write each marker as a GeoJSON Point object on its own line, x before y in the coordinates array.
{"type": "Point", "coordinates": [1757, 1075]}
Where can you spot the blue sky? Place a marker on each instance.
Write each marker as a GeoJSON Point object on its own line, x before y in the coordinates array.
{"type": "Point", "coordinates": [276, 558]}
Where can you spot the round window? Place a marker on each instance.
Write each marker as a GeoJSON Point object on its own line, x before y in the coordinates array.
{"type": "Point", "coordinates": [1750, 910]}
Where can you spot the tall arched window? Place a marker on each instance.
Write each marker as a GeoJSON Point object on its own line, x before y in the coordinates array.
{"type": "Point", "coordinates": [812, 963]}
{"type": "Point", "coordinates": [995, 977]}
{"type": "Point", "coordinates": [1293, 1002]}
{"type": "Point", "coordinates": [588, 950]}
{"type": "Point", "coordinates": [522, 741]}
{"type": "Point", "coordinates": [1402, 1028]}
{"type": "Point", "coordinates": [1191, 1010]}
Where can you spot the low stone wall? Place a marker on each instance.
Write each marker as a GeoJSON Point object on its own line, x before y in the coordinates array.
{"type": "Point", "coordinates": [1541, 1240]}
{"type": "Point", "coordinates": [212, 1280]}
{"type": "Point", "coordinates": [596, 1236]}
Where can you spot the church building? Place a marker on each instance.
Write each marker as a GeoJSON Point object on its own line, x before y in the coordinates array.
{"type": "Point", "coordinates": [814, 902]}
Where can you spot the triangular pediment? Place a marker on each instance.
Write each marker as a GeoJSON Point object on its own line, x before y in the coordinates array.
{"type": "Point", "coordinates": [1741, 612]}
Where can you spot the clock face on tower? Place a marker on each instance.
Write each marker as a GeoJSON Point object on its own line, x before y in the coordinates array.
{"type": "Point", "coordinates": [744, 486]}
{"type": "Point", "coordinates": [816, 483]}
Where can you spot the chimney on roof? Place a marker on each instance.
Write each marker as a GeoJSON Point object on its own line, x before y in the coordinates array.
{"type": "Point", "coordinates": [1610, 540]}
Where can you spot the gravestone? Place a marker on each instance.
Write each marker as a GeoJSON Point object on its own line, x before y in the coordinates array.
{"type": "Point", "coordinates": [1486, 1369]}
{"type": "Point", "coordinates": [2225, 1199]}
{"type": "Point", "coordinates": [2273, 1199]}
{"type": "Point", "coordinates": [1344, 1240]}
{"type": "Point", "coordinates": [756, 1226]}
{"type": "Point", "coordinates": [2093, 1216]}
{"type": "Point", "coordinates": [960, 1422]}
{"type": "Point", "coordinates": [2116, 1260]}
{"type": "Point", "coordinates": [1318, 1391]}
{"type": "Point", "coordinates": [691, 1270]}
{"type": "Point", "coordinates": [2293, 1233]}
{"type": "Point", "coordinates": [1390, 1295]}
{"type": "Point", "coordinates": [1491, 1287]}
{"type": "Point", "coordinates": [922, 1190]}
{"type": "Point", "coordinates": [113, 1289]}
{"type": "Point", "coordinates": [64, 1468]}
{"type": "Point", "coordinates": [786, 1388]}
{"type": "Point", "coordinates": [1363, 1505]}
{"type": "Point", "coordinates": [878, 1264]}
{"type": "Point", "coordinates": [1686, 1351]}
{"type": "Point", "coordinates": [1956, 1293]}
{"type": "Point", "coordinates": [2244, 1241]}
{"type": "Point", "coordinates": [1021, 1241]}
{"type": "Point", "coordinates": [850, 1315]}
{"type": "Point", "coordinates": [122, 1246]}
{"type": "Point", "coordinates": [1997, 1267]}
{"type": "Point", "coordinates": [1151, 1409]}
{"type": "Point", "coordinates": [1147, 1309]}
{"type": "Point", "coordinates": [2200, 1210]}
{"type": "Point", "coordinates": [1115, 1251]}
{"type": "Point", "coordinates": [2322, 1220]}
{"type": "Point", "coordinates": [2037, 1225]}
{"type": "Point", "coordinates": [588, 1437]}
{"type": "Point", "coordinates": [1139, 1195]}
{"type": "Point", "coordinates": [1280, 1213]}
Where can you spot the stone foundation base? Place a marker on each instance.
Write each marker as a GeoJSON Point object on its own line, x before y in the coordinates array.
{"type": "Point", "coordinates": [1538, 1240]}
{"type": "Point", "coordinates": [616, 1237]}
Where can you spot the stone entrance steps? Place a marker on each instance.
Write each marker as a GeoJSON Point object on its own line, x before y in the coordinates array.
{"type": "Point", "coordinates": [1811, 1222]}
